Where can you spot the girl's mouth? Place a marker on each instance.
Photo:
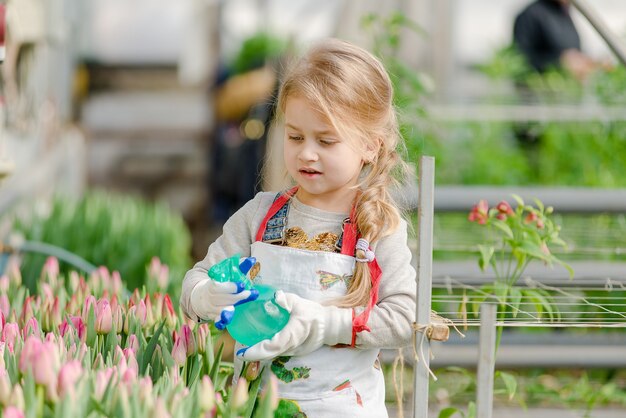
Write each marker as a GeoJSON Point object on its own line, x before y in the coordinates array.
{"type": "Point", "coordinates": [308, 172]}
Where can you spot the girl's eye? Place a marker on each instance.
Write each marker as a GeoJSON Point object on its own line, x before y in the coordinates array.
{"type": "Point", "coordinates": [295, 138]}
{"type": "Point", "coordinates": [327, 141]}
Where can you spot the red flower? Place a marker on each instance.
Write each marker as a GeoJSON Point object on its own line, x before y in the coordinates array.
{"type": "Point", "coordinates": [504, 208]}
{"type": "Point", "coordinates": [479, 212]}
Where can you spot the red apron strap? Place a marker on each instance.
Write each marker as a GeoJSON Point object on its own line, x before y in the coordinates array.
{"type": "Point", "coordinates": [278, 203]}
{"type": "Point", "coordinates": [350, 237]}
{"type": "Point", "coordinates": [359, 323]}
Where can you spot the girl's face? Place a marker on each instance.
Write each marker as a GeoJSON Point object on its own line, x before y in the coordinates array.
{"type": "Point", "coordinates": [324, 165]}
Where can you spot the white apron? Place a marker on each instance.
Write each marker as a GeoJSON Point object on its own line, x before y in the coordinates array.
{"type": "Point", "coordinates": [331, 381]}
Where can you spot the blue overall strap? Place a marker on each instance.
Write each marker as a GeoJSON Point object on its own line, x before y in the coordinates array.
{"type": "Point", "coordinates": [277, 224]}
{"type": "Point", "coordinates": [275, 229]}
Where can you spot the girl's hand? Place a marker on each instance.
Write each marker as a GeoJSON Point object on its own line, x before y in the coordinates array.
{"type": "Point", "coordinates": [310, 326]}
{"type": "Point", "coordinates": [213, 300]}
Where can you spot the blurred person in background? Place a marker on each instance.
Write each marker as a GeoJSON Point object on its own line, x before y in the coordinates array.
{"type": "Point", "coordinates": [545, 34]}
{"type": "Point", "coordinates": [244, 107]}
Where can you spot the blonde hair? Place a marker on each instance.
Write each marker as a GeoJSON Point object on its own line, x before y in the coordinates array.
{"type": "Point", "coordinates": [352, 89]}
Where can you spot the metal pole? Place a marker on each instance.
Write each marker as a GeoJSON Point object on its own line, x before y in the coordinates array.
{"type": "Point", "coordinates": [486, 360]}
{"type": "Point", "coordinates": [614, 42]}
{"type": "Point", "coordinates": [425, 212]}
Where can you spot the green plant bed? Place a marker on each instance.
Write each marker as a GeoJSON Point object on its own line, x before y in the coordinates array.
{"type": "Point", "coordinates": [597, 237]}
{"type": "Point", "coordinates": [120, 232]}
{"type": "Point", "coordinates": [578, 390]}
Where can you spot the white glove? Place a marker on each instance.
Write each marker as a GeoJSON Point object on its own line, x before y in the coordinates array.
{"type": "Point", "coordinates": [310, 326]}
{"type": "Point", "coordinates": [213, 300]}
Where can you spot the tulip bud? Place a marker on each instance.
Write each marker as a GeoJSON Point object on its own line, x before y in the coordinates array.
{"type": "Point", "coordinates": [240, 394]}
{"type": "Point", "coordinates": [146, 397]}
{"type": "Point", "coordinates": [104, 317]}
{"type": "Point", "coordinates": [116, 283]}
{"type": "Point", "coordinates": [5, 387]}
{"type": "Point", "coordinates": [13, 412]}
{"type": "Point", "coordinates": [5, 305]}
{"type": "Point", "coordinates": [27, 310]}
{"type": "Point", "coordinates": [272, 391]}
{"type": "Point", "coordinates": [31, 328]}
{"type": "Point", "coordinates": [168, 312]}
{"type": "Point", "coordinates": [10, 334]}
{"type": "Point", "coordinates": [90, 302]}
{"type": "Point", "coordinates": [132, 343]}
{"type": "Point", "coordinates": [203, 333]}
{"type": "Point", "coordinates": [4, 284]}
{"type": "Point", "coordinates": [160, 409]}
{"type": "Point", "coordinates": [206, 394]}
{"type": "Point", "coordinates": [149, 312]}
{"type": "Point", "coordinates": [190, 342]}
{"type": "Point", "coordinates": [17, 397]}
{"type": "Point", "coordinates": [15, 275]}
{"type": "Point", "coordinates": [179, 351]}
{"type": "Point", "coordinates": [252, 370]}
{"type": "Point", "coordinates": [50, 271]}
{"type": "Point", "coordinates": [68, 377]}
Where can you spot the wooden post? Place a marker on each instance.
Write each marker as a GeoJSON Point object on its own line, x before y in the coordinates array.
{"type": "Point", "coordinates": [486, 360]}
{"type": "Point", "coordinates": [425, 214]}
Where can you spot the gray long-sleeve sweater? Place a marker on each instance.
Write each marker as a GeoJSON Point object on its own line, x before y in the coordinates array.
{"type": "Point", "coordinates": [391, 319]}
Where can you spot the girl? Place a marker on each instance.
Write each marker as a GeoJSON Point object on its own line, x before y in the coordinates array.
{"type": "Point", "coordinates": [335, 244]}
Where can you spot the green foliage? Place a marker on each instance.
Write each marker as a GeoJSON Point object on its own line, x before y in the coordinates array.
{"type": "Point", "coordinates": [256, 50]}
{"type": "Point", "coordinates": [121, 233]}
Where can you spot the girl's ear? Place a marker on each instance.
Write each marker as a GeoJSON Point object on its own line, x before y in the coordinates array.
{"type": "Point", "coordinates": [371, 152]}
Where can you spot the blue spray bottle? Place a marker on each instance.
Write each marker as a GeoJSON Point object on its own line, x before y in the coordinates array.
{"type": "Point", "coordinates": [253, 321]}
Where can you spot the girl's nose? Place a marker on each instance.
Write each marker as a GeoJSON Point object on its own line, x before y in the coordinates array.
{"type": "Point", "coordinates": [308, 152]}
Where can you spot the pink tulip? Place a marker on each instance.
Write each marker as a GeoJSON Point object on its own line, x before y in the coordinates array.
{"type": "Point", "coordinates": [5, 387]}
{"type": "Point", "coordinates": [149, 312]}
{"type": "Point", "coordinates": [27, 310]}
{"type": "Point", "coordinates": [13, 412]}
{"type": "Point", "coordinates": [131, 360]}
{"type": "Point", "coordinates": [5, 305]}
{"type": "Point", "coordinates": [31, 328]}
{"type": "Point", "coordinates": [104, 317]}
{"type": "Point", "coordinates": [116, 283]}
{"type": "Point", "coordinates": [135, 298]}
{"type": "Point", "coordinates": [51, 314]}
{"type": "Point", "coordinates": [89, 302]}
{"type": "Point", "coordinates": [103, 377]}
{"type": "Point", "coordinates": [17, 397]}
{"type": "Point", "coordinates": [4, 284]}
{"type": "Point", "coordinates": [272, 390]}
{"type": "Point", "coordinates": [50, 270]}
{"type": "Point", "coordinates": [190, 341]}
{"type": "Point", "coordinates": [145, 389]}
{"type": "Point", "coordinates": [118, 317]}
{"type": "Point", "coordinates": [68, 377]}
{"type": "Point", "coordinates": [10, 334]}
{"type": "Point", "coordinates": [168, 313]}
{"type": "Point", "coordinates": [159, 272]}
{"type": "Point", "coordinates": [160, 409]}
{"type": "Point", "coordinates": [206, 394]}
{"type": "Point", "coordinates": [479, 212]}
{"type": "Point", "coordinates": [15, 275]}
{"type": "Point", "coordinates": [42, 360]}
{"type": "Point", "coordinates": [203, 335]}
{"type": "Point", "coordinates": [77, 325]}
{"type": "Point", "coordinates": [132, 343]}
{"type": "Point", "coordinates": [240, 395]}
{"type": "Point", "coordinates": [142, 312]}
{"type": "Point", "coordinates": [179, 351]}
